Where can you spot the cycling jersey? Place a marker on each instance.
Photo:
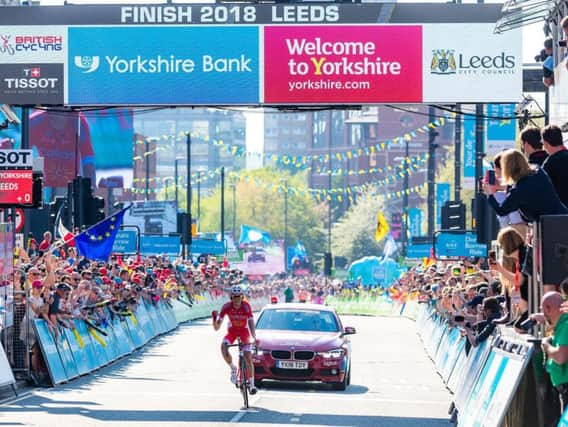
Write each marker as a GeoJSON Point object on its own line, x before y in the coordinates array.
{"type": "Point", "coordinates": [238, 321]}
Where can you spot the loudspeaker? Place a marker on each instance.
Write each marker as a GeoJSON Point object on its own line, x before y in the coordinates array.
{"type": "Point", "coordinates": [554, 247]}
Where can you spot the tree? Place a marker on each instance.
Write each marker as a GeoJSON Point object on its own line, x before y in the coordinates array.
{"type": "Point", "coordinates": [354, 235]}
{"type": "Point", "coordinates": [259, 203]}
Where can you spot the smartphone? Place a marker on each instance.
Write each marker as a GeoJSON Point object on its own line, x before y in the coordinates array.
{"type": "Point", "coordinates": [490, 177]}
{"type": "Point", "coordinates": [459, 318]}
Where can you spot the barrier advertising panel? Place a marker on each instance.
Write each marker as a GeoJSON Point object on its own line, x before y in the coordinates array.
{"type": "Point", "coordinates": [252, 54]}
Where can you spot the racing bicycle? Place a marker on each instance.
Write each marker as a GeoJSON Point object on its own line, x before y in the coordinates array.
{"type": "Point", "coordinates": [242, 372]}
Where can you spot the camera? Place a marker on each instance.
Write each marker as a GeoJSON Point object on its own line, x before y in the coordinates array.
{"type": "Point", "coordinates": [562, 43]}
{"type": "Point", "coordinates": [541, 57]}
{"type": "Point", "coordinates": [459, 318]}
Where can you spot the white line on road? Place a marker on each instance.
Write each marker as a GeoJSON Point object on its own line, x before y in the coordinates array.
{"type": "Point", "coordinates": [242, 412]}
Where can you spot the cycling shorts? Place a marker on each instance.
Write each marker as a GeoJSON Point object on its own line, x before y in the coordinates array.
{"type": "Point", "coordinates": [233, 334]}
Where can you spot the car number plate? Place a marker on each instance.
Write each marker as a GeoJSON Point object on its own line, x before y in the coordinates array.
{"type": "Point", "coordinates": [291, 364]}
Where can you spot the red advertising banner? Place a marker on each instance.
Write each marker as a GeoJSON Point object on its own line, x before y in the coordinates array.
{"type": "Point", "coordinates": [343, 64]}
{"type": "Point", "coordinates": [16, 187]}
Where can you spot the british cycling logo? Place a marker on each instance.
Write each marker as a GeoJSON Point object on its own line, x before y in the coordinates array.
{"type": "Point", "coordinates": [88, 64]}
{"type": "Point", "coordinates": [10, 45]}
{"type": "Point", "coordinates": [443, 62]}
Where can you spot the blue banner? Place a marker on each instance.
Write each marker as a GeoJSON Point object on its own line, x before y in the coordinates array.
{"type": "Point", "coordinates": [468, 153]}
{"type": "Point", "coordinates": [204, 246]}
{"type": "Point", "coordinates": [159, 65]}
{"type": "Point", "coordinates": [458, 245]}
{"type": "Point", "coordinates": [160, 245]}
{"type": "Point", "coordinates": [125, 242]}
{"type": "Point", "coordinates": [415, 222]}
{"type": "Point", "coordinates": [418, 251]}
{"type": "Point", "coordinates": [501, 133]}
{"type": "Point", "coordinates": [442, 196]}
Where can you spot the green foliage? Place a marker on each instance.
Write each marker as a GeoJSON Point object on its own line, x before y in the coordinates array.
{"type": "Point", "coordinates": [354, 235]}
{"type": "Point", "coordinates": [260, 203]}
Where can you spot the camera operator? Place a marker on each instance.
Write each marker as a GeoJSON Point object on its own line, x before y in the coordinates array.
{"type": "Point", "coordinates": [545, 56]}
{"type": "Point", "coordinates": [480, 331]}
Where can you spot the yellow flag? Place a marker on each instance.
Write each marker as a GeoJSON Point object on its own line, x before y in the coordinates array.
{"type": "Point", "coordinates": [382, 227]}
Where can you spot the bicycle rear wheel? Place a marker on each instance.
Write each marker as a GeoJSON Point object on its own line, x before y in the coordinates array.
{"type": "Point", "coordinates": [244, 382]}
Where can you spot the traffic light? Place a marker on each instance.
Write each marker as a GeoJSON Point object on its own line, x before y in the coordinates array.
{"type": "Point", "coordinates": [453, 216]}
{"type": "Point", "coordinates": [59, 205]}
{"type": "Point", "coordinates": [37, 190]}
{"type": "Point", "coordinates": [96, 210]}
{"type": "Point", "coordinates": [327, 264]}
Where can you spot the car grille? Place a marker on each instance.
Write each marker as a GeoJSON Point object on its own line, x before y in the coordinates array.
{"type": "Point", "coordinates": [292, 373]}
{"type": "Point", "coordinates": [304, 355]}
{"type": "Point", "coordinates": [281, 354]}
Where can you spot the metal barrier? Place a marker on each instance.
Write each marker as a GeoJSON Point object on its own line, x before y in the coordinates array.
{"type": "Point", "coordinates": [72, 353]}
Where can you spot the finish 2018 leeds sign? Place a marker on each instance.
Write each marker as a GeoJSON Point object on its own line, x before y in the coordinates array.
{"type": "Point", "coordinates": [248, 55]}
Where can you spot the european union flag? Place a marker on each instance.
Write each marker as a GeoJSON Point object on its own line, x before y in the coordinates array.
{"type": "Point", "coordinates": [97, 241]}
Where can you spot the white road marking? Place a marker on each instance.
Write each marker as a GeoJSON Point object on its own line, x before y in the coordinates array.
{"type": "Point", "coordinates": [242, 412]}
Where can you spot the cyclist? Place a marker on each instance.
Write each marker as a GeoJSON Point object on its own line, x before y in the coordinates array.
{"type": "Point", "coordinates": [241, 325]}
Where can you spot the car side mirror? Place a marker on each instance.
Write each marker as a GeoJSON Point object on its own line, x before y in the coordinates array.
{"type": "Point", "coordinates": [349, 330]}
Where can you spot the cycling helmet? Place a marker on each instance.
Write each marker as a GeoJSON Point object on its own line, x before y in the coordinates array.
{"type": "Point", "coordinates": [237, 290]}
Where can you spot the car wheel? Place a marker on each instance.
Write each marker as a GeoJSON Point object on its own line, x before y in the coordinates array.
{"type": "Point", "coordinates": [258, 383]}
{"type": "Point", "coordinates": [349, 375]}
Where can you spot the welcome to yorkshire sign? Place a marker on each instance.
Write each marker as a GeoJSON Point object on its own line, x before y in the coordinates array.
{"type": "Point", "coordinates": [243, 54]}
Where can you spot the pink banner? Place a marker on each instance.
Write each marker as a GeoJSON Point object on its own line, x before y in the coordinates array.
{"type": "Point", "coordinates": [343, 64]}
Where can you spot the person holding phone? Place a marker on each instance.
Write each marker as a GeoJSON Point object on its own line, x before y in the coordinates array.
{"type": "Point", "coordinates": [513, 219]}
{"type": "Point", "coordinates": [531, 192]}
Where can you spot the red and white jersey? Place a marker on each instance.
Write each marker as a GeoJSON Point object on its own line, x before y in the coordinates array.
{"type": "Point", "coordinates": [238, 317]}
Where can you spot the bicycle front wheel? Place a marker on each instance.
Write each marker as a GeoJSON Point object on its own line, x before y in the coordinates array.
{"type": "Point", "coordinates": [244, 383]}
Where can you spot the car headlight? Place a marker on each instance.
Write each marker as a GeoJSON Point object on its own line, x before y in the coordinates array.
{"type": "Point", "coordinates": [332, 354]}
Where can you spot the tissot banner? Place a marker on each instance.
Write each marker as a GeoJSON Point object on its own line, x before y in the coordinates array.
{"type": "Point", "coordinates": [174, 65]}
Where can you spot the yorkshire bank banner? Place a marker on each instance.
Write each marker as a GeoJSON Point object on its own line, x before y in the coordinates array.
{"type": "Point", "coordinates": [258, 64]}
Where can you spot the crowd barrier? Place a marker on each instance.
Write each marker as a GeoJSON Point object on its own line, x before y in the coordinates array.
{"type": "Point", "coordinates": [6, 374]}
{"type": "Point", "coordinates": [73, 353]}
{"type": "Point", "coordinates": [485, 381]}
{"type": "Point", "coordinates": [372, 305]}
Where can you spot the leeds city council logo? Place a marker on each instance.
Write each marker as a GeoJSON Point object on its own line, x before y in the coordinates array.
{"type": "Point", "coordinates": [443, 62]}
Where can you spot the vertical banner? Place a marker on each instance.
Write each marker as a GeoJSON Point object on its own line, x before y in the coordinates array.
{"type": "Point", "coordinates": [396, 226]}
{"type": "Point", "coordinates": [415, 222]}
{"type": "Point", "coordinates": [501, 130]}
{"type": "Point", "coordinates": [468, 182]}
{"type": "Point", "coordinates": [442, 196]}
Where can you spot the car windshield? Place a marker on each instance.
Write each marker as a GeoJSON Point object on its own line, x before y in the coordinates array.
{"type": "Point", "coordinates": [298, 320]}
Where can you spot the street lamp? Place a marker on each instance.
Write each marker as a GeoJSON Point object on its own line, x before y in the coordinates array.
{"type": "Point", "coordinates": [285, 225]}
{"type": "Point", "coordinates": [176, 182]}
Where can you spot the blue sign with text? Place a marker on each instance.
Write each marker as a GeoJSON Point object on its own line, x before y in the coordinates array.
{"type": "Point", "coordinates": [204, 246]}
{"type": "Point", "coordinates": [469, 153]}
{"type": "Point", "coordinates": [418, 251]}
{"type": "Point", "coordinates": [458, 245]}
{"type": "Point", "coordinates": [125, 242]}
{"type": "Point", "coordinates": [163, 66]}
{"type": "Point", "coordinates": [415, 222]}
{"type": "Point", "coordinates": [160, 245]}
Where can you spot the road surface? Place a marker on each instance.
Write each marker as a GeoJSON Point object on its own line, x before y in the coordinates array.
{"type": "Point", "coordinates": [180, 379]}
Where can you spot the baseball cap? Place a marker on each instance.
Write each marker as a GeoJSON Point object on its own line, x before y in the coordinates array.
{"type": "Point", "coordinates": [37, 284]}
{"type": "Point", "coordinates": [63, 287]}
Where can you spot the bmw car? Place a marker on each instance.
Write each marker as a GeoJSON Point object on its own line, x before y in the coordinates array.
{"type": "Point", "coordinates": [302, 342]}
